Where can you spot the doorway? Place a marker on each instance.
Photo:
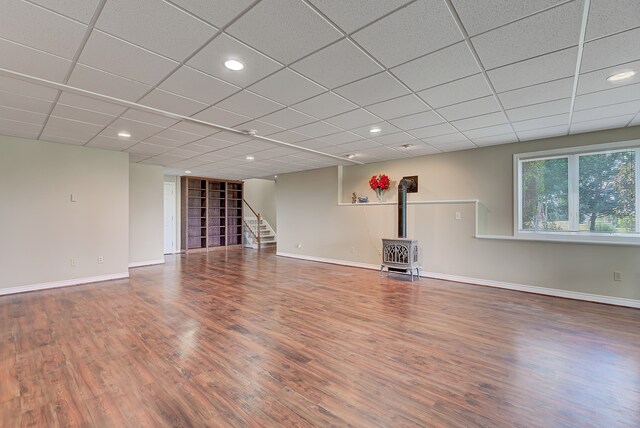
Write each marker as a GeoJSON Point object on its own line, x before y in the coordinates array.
{"type": "Point", "coordinates": [169, 218]}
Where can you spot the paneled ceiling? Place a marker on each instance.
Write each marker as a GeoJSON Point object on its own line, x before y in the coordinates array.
{"type": "Point", "coordinates": [319, 75]}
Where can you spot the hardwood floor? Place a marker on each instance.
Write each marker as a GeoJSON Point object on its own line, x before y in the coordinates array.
{"type": "Point", "coordinates": [250, 339]}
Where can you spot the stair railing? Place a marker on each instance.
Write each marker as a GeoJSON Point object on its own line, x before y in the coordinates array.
{"type": "Point", "coordinates": [255, 218]}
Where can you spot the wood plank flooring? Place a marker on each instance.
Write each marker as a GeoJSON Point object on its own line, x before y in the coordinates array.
{"type": "Point", "coordinates": [244, 338]}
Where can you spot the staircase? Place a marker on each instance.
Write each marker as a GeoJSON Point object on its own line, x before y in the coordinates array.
{"type": "Point", "coordinates": [258, 233]}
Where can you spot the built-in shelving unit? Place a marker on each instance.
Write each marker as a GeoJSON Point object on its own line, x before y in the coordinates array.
{"type": "Point", "coordinates": [211, 214]}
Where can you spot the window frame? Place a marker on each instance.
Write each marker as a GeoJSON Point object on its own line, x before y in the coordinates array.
{"type": "Point", "coordinates": [573, 154]}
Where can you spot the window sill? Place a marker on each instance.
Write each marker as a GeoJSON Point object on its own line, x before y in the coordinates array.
{"type": "Point", "coordinates": [570, 238]}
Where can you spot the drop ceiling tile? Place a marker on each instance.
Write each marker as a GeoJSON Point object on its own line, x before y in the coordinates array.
{"type": "Point", "coordinates": [73, 129]}
{"type": "Point", "coordinates": [632, 107]}
{"type": "Point", "coordinates": [489, 131]}
{"type": "Point", "coordinates": [551, 30]}
{"type": "Point", "coordinates": [418, 150]}
{"type": "Point", "coordinates": [287, 87]}
{"type": "Point", "coordinates": [41, 29]}
{"type": "Point", "coordinates": [618, 49]}
{"type": "Point", "coordinates": [9, 99]}
{"type": "Point", "coordinates": [25, 89]}
{"type": "Point", "coordinates": [269, 30]}
{"type": "Point", "coordinates": [277, 152]}
{"type": "Point", "coordinates": [470, 108]}
{"type": "Point", "coordinates": [535, 134]}
{"type": "Point", "coordinates": [291, 137]}
{"type": "Point", "coordinates": [172, 103]}
{"type": "Point", "coordinates": [288, 118]}
{"type": "Point", "coordinates": [635, 121]}
{"type": "Point", "coordinates": [94, 80]}
{"type": "Point", "coordinates": [599, 124]}
{"type": "Point", "coordinates": [88, 116]}
{"type": "Point", "coordinates": [394, 139]}
{"type": "Point", "coordinates": [191, 83]}
{"type": "Point", "coordinates": [495, 140]}
{"type": "Point", "coordinates": [441, 140]}
{"type": "Point", "coordinates": [464, 89]}
{"type": "Point", "coordinates": [379, 153]}
{"type": "Point", "coordinates": [617, 95]}
{"type": "Point", "coordinates": [444, 66]}
{"type": "Point", "coordinates": [478, 17]}
{"type": "Point", "coordinates": [318, 129]}
{"type": "Point", "coordinates": [102, 142]}
{"type": "Point", "coordinates": [453, 147]}
{"type": "Point", "coordinates": [161, 160]}
{"type": "Point", "coordinates": [433, 130]}
{"type": "Point", "coordinates": [325, 105]}
{"type": "Point", "coordinates": [32, 134]}
{"type": "Point", "coordinates": [176, 135]}
{"type": "Point", "coordinates": [401, 106]}
{"type": "Point", "coordinates": [92, 104]}
{"type": "Point", "coordinates": [536, 94]}
{"type": "Point", "coordinates": [419, 120]}
{"type": "Point", "coordinates": [341, 138]}
{"type": "Point", "coordinates": [543, 122]}
{"type": "Point", "coordinates": [313, 144]}
{"type": "Point", "coordinates": [497, 118]}
{"type": "Point", "coordinates": [540, 110]}
{"type": "Point", "coordinates": [55, 138]}
{"type": "Point", "coordinates": [385, 128]}
{"type": "Point", "coordinates": [148, 149]}
{"type": "Point", "coordinates": [152, 119]}
{"type": "Point", "coordinates": [211, 60]}
{"type": "Point", "coordinates": [263, 128]}
{"type": "Point", "coordinates": [80, 11]}
{"type": "Point", "coordinates": [533, 71]}
{"type": "Point", "coordinates": [597, 80]}
{"type": "Point", "coordinates": [374, 89]}
{"type": "Point", "coordinates": [138, 130]}
{"type": "Point", "coordinates": [17, 128]}
{"type": "Point", "coordinates": [214, 143]}
{"type": "Point", "coordinates": [353, 146]}
{"type": "Point", "coordinates": [121, 18]}
{"type": "Point", "coordinates": [194, 128]}
{"type": "Point", "coordinates": [353, 119]}
{"type": "Point", "coordinates": [216, 12]}
{"type": "Point", "coordinates": [354, 14]}
{"type": "Point", "coordinates": [232, 136]}
{"type": "Point", "coordinates": [22, 116]}
{"type": "Point", "coordinates": [30, 61]}
{"type": "Point", "coordinates": [166, 142]}
{"type": "Point", "coordinates": [337, 65]}
{"type": "Point", "coordinates": [422, 27]}
{"type": "Point", "coordinates": [124, 59]}
{"type": "Point", "coordinates": [220, 116]}
{"type": "Point", "coordinates": [607, 17]}
{"type": "Point", "coordinates": [249, 104]}
{"type": "Point", "coordinates": [180, 152]}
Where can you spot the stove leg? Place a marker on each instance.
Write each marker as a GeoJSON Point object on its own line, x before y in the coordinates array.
{"type": "Point", "coordinates": [381, 269]}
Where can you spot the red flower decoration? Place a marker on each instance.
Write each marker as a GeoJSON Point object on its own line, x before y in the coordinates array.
{"type": "Point", "coordinates": [380, 182]}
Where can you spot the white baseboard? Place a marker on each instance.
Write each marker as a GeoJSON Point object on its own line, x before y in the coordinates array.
{"type": "Point", "coordinates": [64, 283]}
{"type": "Point", "coordinates": [146, 263]}
{"type": "Point", "coordinates": [576, 295]}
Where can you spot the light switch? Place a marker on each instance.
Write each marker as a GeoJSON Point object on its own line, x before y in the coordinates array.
{"type": "Point", "coordinates": [74, 198]}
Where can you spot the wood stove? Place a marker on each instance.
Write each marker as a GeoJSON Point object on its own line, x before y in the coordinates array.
{"type": "Point", "coordinates": [401, 254]}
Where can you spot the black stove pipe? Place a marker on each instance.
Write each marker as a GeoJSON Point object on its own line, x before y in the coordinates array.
{"type": "Point", "coordinates": [404, 185]}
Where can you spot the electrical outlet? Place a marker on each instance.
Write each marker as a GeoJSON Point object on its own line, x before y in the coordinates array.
{"type": "Point", "coordinates": [617, 276]}
{"type": "Point", "coordinates": [458, 215]}
{"type": "Point", "coordinates": [100, 259]}
{"type": "Point", "coordinates": [74, 262]}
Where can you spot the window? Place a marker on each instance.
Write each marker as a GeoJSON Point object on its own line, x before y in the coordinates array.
{"type": "Point", "coordinates": [582, 194]}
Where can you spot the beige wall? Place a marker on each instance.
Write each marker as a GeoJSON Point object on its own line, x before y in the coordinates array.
{"type": "Point", "coordinates": [261, 195]}
{"type": "Point", "coordinates": [176, 181]}
{"type": "Point", "coordinates": [308, 215]}
{"type": "Point", "coordinates": [146, 209]}
{"type": "Point", "coordinates": [41, 229]}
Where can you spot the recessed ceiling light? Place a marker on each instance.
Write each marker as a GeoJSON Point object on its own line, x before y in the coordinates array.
{"type": "Point", "coordinates": [375, 130]}
{"type": "Point", "coordinates": [621, 76]}
{"type": "Point", "coordinates": [350, 156]}
{"type": "Point", "coordinates": [124, 134]}
{"type": "Point", "coordinates": [250, 158]}
{"type": "Point", "coordinates": [233, 64]}
{"type": "Point", "coordinates": [187, 172]}
{"type": "Point", "coordinates": [406, 146]}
